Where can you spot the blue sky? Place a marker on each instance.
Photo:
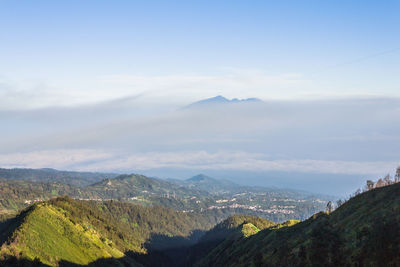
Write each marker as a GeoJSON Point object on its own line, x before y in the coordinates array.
{"type": "Point", "coordinates": [98, 85]}
{"type": "Point", "coordinates": [326, 48]}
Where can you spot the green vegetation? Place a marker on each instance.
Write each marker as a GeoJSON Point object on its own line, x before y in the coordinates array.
{"type": "Point", "coordinates": [47, 233]}
{"type": "Point", "coordinates": [249, 229]}
{"type": "Point", "coordinates": [17, 194]}
{"type": "Point", "coordinates": [156, 225]}
{"type": "Point", "coordinates": [232, 224]}
{"type": "Point", "coordinates": [82, 232]}
{"type": "Point", "coordinates": [67, 230]}
{"type": "Point", "coordinates": [285, 224]}
{"type": "Point", "coordinates": [54, 176]}
{"type": "Point", "coordinates": [233, 228]}
{"type": "Point", "coordinates": [134, 185]}
{"type": "Point", "coordinates": [365, 231]}
{"type": "Point", "coordinates": [210, 185]}
{"type": "Point", "coordinates": [214, 199]}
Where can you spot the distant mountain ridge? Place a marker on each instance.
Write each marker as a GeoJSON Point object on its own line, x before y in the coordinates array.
{"type": "Point", "coordinates": [220, 100]}
{"type": "Point", "coordinates": [47, 175]}
{"type": "Point", "coordinates": [364, 231]}
{"type": "Point", "coordinates": [211, 185]}
{"type": "Point", "coordinates": [133, 185]}
{"type": "Point", "coordinates": [215, 197]}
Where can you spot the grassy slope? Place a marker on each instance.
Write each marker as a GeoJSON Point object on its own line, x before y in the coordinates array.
{"type": "Point", "coordinates": [81, 232]}
{"type": "Point", "coordinates": [365, 231]}
{"type": "Point", "coordinates": [157, 225]}
{"type": "Point", "coordinates": [48, 234]}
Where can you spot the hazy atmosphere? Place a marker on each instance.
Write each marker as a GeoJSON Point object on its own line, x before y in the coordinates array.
{"type": "Point", "coordinates": [97, 86]}
{"type": "Point", "coordinates": [199, 133]}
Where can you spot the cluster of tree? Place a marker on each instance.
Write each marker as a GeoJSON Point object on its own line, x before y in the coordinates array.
{"type": "Point", "coordinates": [80, 179]}
{"type": "Point", "coordinates": [364, 232]}
{"type": "Point", "coordinates": [381, 182]}
{"type": "Point", "coordinates": [387, 180]}
{"type": "Point", "coordinates": [17, 194]}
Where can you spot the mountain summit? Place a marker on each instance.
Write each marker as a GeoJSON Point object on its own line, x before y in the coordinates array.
{"type": "Point", "coordinates": [211, 185]}
{"type": "Point", "coordinates": [218, 100]}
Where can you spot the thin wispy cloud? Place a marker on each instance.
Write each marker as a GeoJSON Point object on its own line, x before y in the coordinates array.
{"type": "Point", "coordinates": [97, 160]}
{"type": "Point", "coordinates": [153, 88]}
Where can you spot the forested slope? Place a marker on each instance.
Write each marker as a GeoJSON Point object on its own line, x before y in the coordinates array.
{"type": "Point", "coordinates": [365, 231]}
{"type": "Point", "coordinates": [81, 232]}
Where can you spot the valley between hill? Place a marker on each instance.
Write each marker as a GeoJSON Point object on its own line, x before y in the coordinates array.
{"type": "Point", "coordinates": [364, 231]}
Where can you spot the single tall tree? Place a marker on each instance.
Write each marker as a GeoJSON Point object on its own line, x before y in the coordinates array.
{"type": "Point", "coordinates": [329, 207]}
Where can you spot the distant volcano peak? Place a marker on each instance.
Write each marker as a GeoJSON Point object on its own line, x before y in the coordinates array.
{"type": "Point", "coordinates": [219, 99]}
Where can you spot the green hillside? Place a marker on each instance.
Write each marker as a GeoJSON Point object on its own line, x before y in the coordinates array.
{"type": "Point", "coordinates": [230, 225]}
{"type": "Point", "coordinates": [17, 194]}
{"type": "Point", "coordinates": [233, 227]}
{"type": "Point", "coordinates": [55, 176]}
{"type": "Point", "coordinates": [159, 227]}
{"type": "Point", "coordinates": [82, 232]}
{"type": "Point", "coordinates": [211, 185]}
{"type": "Point", "coordinates": [64, 230]}
{"type": "Point", "coordinates": [365, 231]}
{"type": "Point", "coordinates": [213, 198]}
{"type": "Point", "coordinates": [134, 185]}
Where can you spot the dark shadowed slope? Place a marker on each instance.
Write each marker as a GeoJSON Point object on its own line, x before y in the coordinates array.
{"type": "Point", "coordinates": [83, 232]}
{"type": "Point", "coordinates": [233, 227]}
{"type": "Point", "coordinates": [365, 231]}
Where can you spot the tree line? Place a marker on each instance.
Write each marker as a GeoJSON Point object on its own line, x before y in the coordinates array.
{"type": "Point", "coordinates": [370, 185]}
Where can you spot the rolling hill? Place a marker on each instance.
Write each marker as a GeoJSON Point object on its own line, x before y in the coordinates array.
{"type": "Point", "coordinates": [133, 185]}
{"type": "Point", "coordinates": [55, 176]}
{"type": "Point", "coordinates": [365, 231]}
{"type": "Point", "coordinates": [211, 185]}
{"type": "Point", "coordinates": [67, 231]}
{"type": "Point", "coordinates": [200, 194]}
{"type": "Point", "coordinates": [17, 194]}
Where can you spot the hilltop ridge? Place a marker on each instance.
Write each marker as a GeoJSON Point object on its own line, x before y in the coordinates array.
{"type": "Point", "coordinates": [364, 231]}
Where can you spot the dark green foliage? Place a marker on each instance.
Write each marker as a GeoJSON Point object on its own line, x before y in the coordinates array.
{"type": "Point", "coordinates": [134, 185]}
{"type": "Point", "coordinates": [217, 199]}
{"type": "Point", "coordinates": [364, 231]}
{"type": "Point", "coordinates": [230, 228]}
{"type": "Point", "coordinates": [151, 224]}
{"type": "Point", "coordinates": [95, 228]}
{"type": "Point", "coordinates": [55, 176]}
{"type": "Point", "coordinates": [17, 194]}
{"type": "Point", "coordinates": [211, 185]}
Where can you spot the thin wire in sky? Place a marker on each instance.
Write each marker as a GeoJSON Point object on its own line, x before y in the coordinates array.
{"type": "Point", "coordinates": [357, 60]}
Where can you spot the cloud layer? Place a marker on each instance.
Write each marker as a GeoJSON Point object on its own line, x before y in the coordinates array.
{"type": "Point", "coordinates": [95, 160]}
{"type": "Point", "coordinates": [348, 136]}
{"type": "Point", "coordinates": [154, 89]}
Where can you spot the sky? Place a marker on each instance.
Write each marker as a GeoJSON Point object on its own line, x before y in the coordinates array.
{"type": "Point", "coordinates": [99, 85]}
